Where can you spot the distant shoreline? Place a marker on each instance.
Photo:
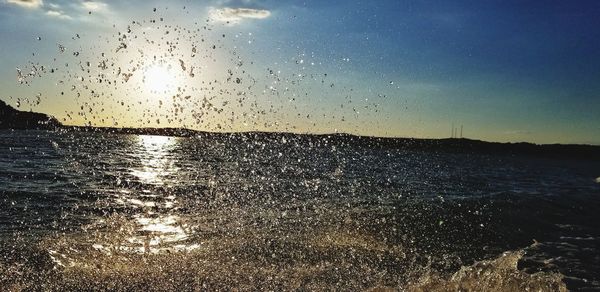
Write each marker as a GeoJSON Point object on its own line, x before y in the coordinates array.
{"type": "Point", "coordinates": [447, 145]}
{"type": "Point", "coordinates": [12, 119]}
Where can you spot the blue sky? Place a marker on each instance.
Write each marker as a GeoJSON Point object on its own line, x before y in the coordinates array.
{"type": "Point", "coordinates": [506, 70]}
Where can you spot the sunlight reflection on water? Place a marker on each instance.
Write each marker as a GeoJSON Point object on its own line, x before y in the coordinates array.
{"type": "Point", "coordinates": [156, 161]}
{"type": "Point", "coordinates": [158, 227]}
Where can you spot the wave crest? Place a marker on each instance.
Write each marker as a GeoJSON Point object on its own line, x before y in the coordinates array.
{"type": "Point", "coordinates": [500, 274]}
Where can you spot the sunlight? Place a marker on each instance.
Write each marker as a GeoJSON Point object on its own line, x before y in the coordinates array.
{"type": "Point", "coordinates": [156, 162]}
{"type": "Point", "coordinates": [158, 227]}
{"type": "Point", "coordinates": [159, 78]}
{"type": "Point", "coordinates": [158, 233]}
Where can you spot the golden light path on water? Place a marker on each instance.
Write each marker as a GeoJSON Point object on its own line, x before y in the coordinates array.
{"type": "Point", "coordinates": [157, 225]}
{"type": "Point", "coordinates": [156, 162]}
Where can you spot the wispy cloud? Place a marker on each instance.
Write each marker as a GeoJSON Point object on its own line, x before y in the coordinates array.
{"type": "Point", "coordinates": [32, 4]}
{"type": "Point", "coordinates": [58, 14]}
{"type": "Point", "coordinates": [93, 5]}
{"type": "Point", "coordinates": [236, 15]}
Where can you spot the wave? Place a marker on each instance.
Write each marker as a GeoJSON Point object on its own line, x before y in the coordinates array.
{"type": "Point", "coordinates": [329, 260]}
{"type": "Point", "coordinates": [500, 274]}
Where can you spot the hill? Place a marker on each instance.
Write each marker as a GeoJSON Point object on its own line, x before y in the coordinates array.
{"type": "Point", "coordinates": [11, 118]}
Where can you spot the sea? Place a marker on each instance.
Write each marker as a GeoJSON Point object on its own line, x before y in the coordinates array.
{"type": "Point", "coordinates": [85, 211]}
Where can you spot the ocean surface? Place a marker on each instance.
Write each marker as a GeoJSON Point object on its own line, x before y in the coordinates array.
{"type": "Point", "coordinates": [91, 211]}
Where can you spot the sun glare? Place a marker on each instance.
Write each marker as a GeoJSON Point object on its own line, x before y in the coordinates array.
{"type": "Point", "coordinates": [159, 79]}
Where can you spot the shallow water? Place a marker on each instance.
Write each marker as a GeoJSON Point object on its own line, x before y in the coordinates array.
{"type": "Point", "coordinates": [121, 212]}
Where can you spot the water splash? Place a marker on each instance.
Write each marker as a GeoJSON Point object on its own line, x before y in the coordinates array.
{"type": "Point", "coordinates": [500, 274]}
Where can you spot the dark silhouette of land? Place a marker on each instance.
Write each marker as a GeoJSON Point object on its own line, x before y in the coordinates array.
{"type": "Point", "coordinates": [11, 118]}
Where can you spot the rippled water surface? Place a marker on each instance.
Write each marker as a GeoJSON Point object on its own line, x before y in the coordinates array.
{"type": "Point", "coordinates": [122, 212]}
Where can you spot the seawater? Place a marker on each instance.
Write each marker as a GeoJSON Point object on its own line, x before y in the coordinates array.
{"type": "Point", "coordinates": [90, 211]}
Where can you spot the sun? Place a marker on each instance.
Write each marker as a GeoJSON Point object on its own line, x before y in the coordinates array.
{"type": "Point", "coordinates": [159, 78]}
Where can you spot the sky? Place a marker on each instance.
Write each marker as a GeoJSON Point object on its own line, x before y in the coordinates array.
{"type": "Point", "coordinates": [503, 70]}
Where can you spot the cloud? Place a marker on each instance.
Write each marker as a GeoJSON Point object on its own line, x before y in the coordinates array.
{"type": "Point", "coordinates": [234, 3]}
{"type": "Point", "coordinates": [93, 5]}
{"type": "Point", "coordinates": [58, 14]}
{"type": "Point", "coordinates": [236, 15]}
{"type": "Point", "coordinates": [27, 3]}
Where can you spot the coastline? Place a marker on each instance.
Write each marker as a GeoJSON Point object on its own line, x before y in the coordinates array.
{"type": "Point", "coordinates": [12, 119]}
